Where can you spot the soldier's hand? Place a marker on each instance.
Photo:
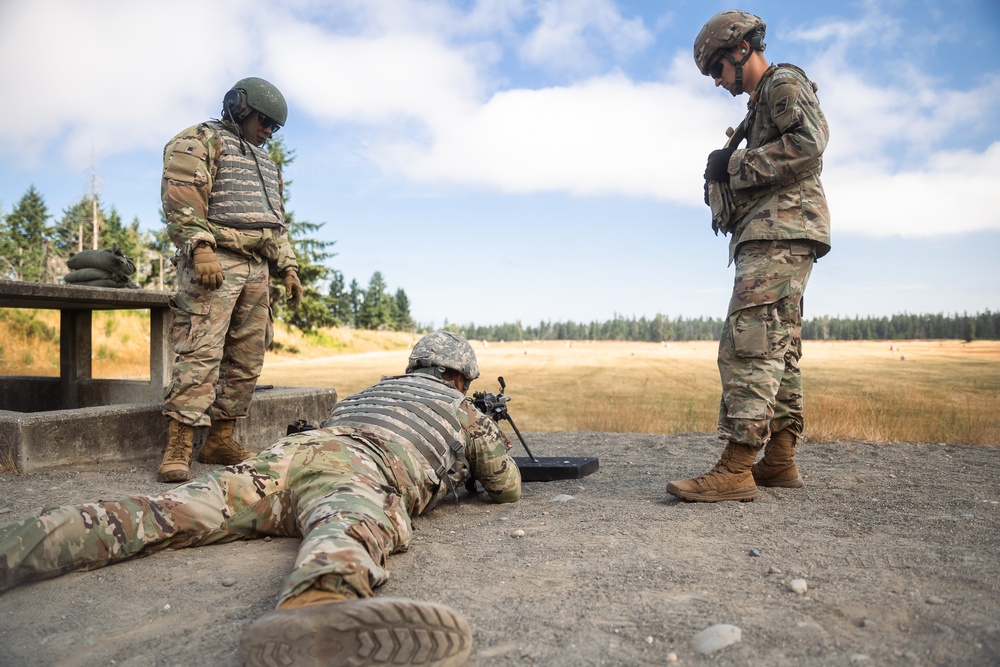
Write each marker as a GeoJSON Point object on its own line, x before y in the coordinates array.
{"type": "Point", "coordinates": [293, 289]}
{"type": "Point", "coordinates": [717, 168]}
{"type": "Point", "coordinates": [207, 270]}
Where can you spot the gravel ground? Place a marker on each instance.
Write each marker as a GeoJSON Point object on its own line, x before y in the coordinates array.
{"type": "Point", "coordinates": [898, 546]}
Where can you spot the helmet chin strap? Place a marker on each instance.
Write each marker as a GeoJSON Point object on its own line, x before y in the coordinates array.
{"type": "Point", "coordinates": [737, 88]}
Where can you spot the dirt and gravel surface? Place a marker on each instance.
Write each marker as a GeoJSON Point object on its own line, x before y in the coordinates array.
{"type": "Point", "coordinates": [899, 546]}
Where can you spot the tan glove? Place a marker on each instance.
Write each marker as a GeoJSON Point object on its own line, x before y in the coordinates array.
{"type": "Point", "coordinates": [207, 270]}
{"type": "Point", "coordinates": [293, 289]}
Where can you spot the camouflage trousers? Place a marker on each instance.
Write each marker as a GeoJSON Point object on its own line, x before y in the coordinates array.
{"type": "Point", "coordinates": [344, 495]}
{"type": "Point", "coordinates": [761, 342]}
{"type": "Point", "coordinates": [219, 338]}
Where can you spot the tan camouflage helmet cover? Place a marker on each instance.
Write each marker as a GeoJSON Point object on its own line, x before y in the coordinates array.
{"type": "Point", "coordinates": [724, 31]}
{"type": "Point", "coordinates": [447, 349]}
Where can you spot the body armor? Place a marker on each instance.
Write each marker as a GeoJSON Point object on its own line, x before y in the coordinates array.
{"type": "Point", "coordinates": [418, 410]}
{"type": "Point", "coordinates": [245, 193]}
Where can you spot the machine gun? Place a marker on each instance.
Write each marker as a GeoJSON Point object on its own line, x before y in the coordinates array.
{"type": "Point", "coordinates": [495, 406]}
{"type": "Point", "coordinates": [542, 469]}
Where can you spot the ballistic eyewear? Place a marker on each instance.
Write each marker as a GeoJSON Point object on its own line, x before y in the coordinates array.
{"type": "Point", "coordinates": [715, 69]}
{"type": "Point", "coordinates": [269, 123]}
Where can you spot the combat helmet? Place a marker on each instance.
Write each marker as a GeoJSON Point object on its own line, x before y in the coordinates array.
{"type": "Point", "coordinates": [721, 33]}
{"type": "Point", "coordinates": [254, 94]}
{"type": "Point", "coordinates": [444, 349]}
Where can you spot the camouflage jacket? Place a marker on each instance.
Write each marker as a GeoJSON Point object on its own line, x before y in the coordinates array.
{"type": "Point", "coordinates": [190, 163]}
{"type": "Point", "coordinates": [786, 135]}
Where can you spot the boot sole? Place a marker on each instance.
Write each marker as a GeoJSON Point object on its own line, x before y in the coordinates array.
{"type": "Point", "coordinates": [373, 631]}
{"type": "Point", "coordinates": [742, 496]}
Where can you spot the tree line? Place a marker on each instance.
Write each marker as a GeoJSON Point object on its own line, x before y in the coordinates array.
{"type": "Point", "coordinates": [34, 247]}
{"type": "Point", "coordinates": [980, 326]}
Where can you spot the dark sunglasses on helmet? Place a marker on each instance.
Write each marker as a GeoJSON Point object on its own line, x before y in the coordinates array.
{"type": "Point", "coordinates": [715, 69]}
{"type": "Point", "coordinates": [269, 123]}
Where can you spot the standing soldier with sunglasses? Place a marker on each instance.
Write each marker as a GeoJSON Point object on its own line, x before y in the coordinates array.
{"type": "Point", "coordinates": [222, 198]}
{"type": "Point", "coordinates": [768, 196]}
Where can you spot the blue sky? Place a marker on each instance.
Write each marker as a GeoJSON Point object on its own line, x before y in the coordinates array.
{"type": "Point", "coordinates": [508, 160]}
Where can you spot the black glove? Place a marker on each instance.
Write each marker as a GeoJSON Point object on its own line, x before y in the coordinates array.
{"type": "Point", "coordinates": [717, 168]}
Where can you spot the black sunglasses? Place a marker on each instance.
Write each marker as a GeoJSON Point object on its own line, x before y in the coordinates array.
{"type": "Point", "coordinates": [266, 122]}
{"type": "Point", "coordinates": [715, 71]}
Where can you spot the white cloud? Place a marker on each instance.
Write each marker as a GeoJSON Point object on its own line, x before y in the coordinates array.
{"type": "Point", "coordinates": [571, 32]}
{"type": "Point", "coordinates": [110, 76]}
{"type": "Point", "coordinates": [950, 194]}
{"type": "Point", "coordinates": [608, 135]}
{"type": "Point", "coordinates": [418, 78]}
{"type": "Point", "coordinates": [378, 80]}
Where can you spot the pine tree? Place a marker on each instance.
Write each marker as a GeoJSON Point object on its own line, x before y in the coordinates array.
{"type": "Point", "coordinates": [24, 243]}
{"type": "Point", "coordinates": [310, 253]}
{"type": "Point", "coordinates": [401, 318]}
{"type": "Point", "coordinates": [355, 297]}
{"type": "Point", "coordinates": [339, 301]}
{"type": "Point", "coordinates": [158, 250]}
{"type": "Point", "coordinates": [376, 309]}
{"type": "Point", "coordinates": [114, 232]}
{"type": "Point", "coordinates": [74, 231]}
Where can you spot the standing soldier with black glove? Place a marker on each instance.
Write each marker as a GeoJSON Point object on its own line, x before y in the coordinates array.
{"type": "Point", "coordinates": [222, 196]}
{"type": "Point", "coordinates": [769, 197]}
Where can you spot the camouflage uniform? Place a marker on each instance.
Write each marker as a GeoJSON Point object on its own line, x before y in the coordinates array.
{"type": "Point", "coordinates": [348, 492]}
{"type": "Point", "coordinates": [214, 194]}
{"type": "Point", "coordinates": [783, 226]}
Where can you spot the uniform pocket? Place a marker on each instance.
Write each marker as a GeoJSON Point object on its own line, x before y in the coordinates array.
{"type": "Point", "coordinates": [750, 334]}
{"type": "Point", "coordinates": [187, 162]}
{"type": "Point", "coordinates": [802, 248]}
{"type": "Point", "coordinates": [188, 313]}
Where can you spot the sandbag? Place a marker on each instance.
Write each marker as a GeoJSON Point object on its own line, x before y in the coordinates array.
{"type": "Point", "coordinates": [106, 283]}
{"type": "Point", "coordinates": [83, 275]}
{"type": "Point", "coordinates": [109, 259]}
{"type": "Point", "coordinates": [107, 267]}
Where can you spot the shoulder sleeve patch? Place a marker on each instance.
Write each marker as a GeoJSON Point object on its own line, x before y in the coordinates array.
{"type": "Point", "coordinates": [780, 107]}
{"type": "Point", "coordinates": [186, 161]}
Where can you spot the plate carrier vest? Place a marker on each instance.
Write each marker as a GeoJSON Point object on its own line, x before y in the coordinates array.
{"type": "Point", "coordinates": [417, 409]}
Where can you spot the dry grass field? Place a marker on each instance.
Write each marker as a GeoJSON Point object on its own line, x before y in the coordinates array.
{"type": "Point", "coordinates": [29, 343]}
{"type": "Point", "coordinates": [924, 391]}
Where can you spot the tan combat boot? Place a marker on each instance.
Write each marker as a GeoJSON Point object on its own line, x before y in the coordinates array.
{"type": "Point", "coordinates": [310, 597]}
{"type": "Point", "coordinates": [730, 479]}
{"type": "Point", "coordinates": [220, 447]}
{"type": "Point", "coordinates": [174, 467]}
{"type": "Point", "coordinates": [778, 468]}
{"type": "Point", "coordinates": [370, 631]}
